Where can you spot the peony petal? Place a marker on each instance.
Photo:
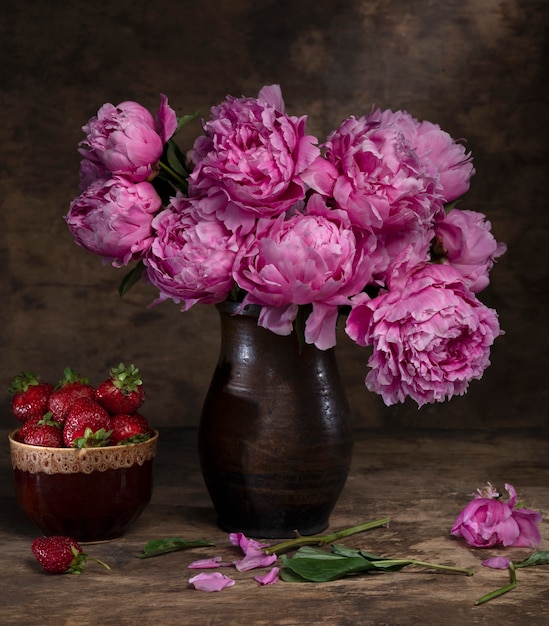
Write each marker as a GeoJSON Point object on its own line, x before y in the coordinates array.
{"type": "Point", "coordinates": [253, 560]}
{"type": "Point", "coordinates": [211, 582]}
{"type": "Point", "coordinates": [529, 534]}
{"type": "Point", "coordinates": [246, 544]}
{"type": "Point", "coordinates": [497, 562]}
{"type": "Point", "coordinates": [272, 94]}
{"type": "Point", "coordinates": [270, 578]}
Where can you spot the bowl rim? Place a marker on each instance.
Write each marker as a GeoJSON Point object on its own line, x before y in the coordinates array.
{"type": "Point", "coordinates": [51, 461]}
{"type": "Point", "coordinates": [13, 441]}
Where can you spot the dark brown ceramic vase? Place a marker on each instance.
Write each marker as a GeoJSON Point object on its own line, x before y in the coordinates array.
{"type": "Point", "coordinates": [275, 436]}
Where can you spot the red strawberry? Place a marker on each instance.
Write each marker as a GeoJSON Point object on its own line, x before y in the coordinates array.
{"type": "Point", "coordinates": [72, 386]}
{"type": "Point", "coordinates": [88, 425]}
{"type": "Point", "coordinates": [27, 425]}
{"type": "Point", "coordinates": [58, 554]}
{"type": "Point", "coordinates": [61, 555]}
{"type": "Point", "coordinates": [43, 432]}
{"type": "Point", "coordinates": [30, 397]}
{"type": "Point", "coordinates": [122, 392]}
{"type": "Point", "coordinates": [129, 429]}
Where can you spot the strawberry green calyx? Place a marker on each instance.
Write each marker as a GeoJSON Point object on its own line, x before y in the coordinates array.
{"type": "Point", "coordinates": [135, 439]}
{"type": "Point", "coordinates": [48, 420]}
{"type": "Point", "coordinates": [77, 564]}
{"type": "Point", "coordinates": [92, 439]}
{"type": "Point", "coordinates": [72, 376]}
{"type": "Point", "coordinates": [22, 382]}
{"type": "Point", "coordinates": [80, 559]}
{"type": "Point", "coordinates": [127, 379]}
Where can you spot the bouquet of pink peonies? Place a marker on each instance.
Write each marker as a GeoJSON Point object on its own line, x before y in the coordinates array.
{"type": "Point", "coordinates": [258, 212]}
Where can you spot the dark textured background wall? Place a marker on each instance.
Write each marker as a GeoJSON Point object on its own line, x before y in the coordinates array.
{"type": "Point", "coordinates": [476, 67]}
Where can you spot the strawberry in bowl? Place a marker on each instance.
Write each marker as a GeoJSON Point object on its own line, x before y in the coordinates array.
{"type": "Point", "coordinates": [87, 474]}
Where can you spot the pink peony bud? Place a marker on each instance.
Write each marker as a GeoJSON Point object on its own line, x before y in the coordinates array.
{"type": "Point", "coordinates": [113, 218]}
{"type": "Point", "coordinates": [124, 140]}
{"type": "Point", "coordinates": [469, 246]}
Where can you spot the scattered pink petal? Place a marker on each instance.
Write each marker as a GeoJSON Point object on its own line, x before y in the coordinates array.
{"type": "Point", "coordinates": [211, 582]}
{"type": "Point", "coordinates": [497, 562]}
{"type": "Point", "coordinates": [245, 544]}
{"type": "Point", "coordinates": [208, 563]}
{"type": "Point", "coordinates": [255, 559]}
{"type": "Point", "coordinates": [270, 578]}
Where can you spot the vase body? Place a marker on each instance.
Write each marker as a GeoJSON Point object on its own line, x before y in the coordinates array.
{"type": "Point", "coordinates": [275, 436]}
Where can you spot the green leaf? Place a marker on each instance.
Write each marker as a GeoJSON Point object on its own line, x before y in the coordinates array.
{"type": "Point", "coordinates": [537, 558]}
{"type": "Point", "coordinates": [186, 119]}
{"type": "Point", "coordinates": [372, 557]}
{"type": "Point", "coordinates": [319, 566]}
{"type": "Point", "coordinates": [345, 551]}
{"type": "Point", "coordinates": [157, 547]}
{"type": "Point", "coordinates": [175, 158]}
{"type": "Point", "coordinates": [289, 576]}
{"type": "Point", "coordinates": [315, 565]}
{"type": "Point", "coordinates": [132, 277]}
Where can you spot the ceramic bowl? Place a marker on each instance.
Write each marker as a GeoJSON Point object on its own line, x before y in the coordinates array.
{"type": "Point", "coordinates": [89, 494]}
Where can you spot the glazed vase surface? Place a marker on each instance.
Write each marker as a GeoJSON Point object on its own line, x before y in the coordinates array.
{"type": "Point", "coordinates": [275, 436]}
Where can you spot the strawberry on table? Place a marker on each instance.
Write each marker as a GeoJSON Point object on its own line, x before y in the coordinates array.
{"type": "Point", "coordinates": [122, 392]}
{"type": "Point", "coordinates": [88, 425]}
{"type": "Point", "coordinates": [129, 428]}
{"type": "Point", "coordinates": [61, 555]}
{"type": "Point", "coordinates": [30, 397]}
{"type": "Point", "coordinates": [72, 386]}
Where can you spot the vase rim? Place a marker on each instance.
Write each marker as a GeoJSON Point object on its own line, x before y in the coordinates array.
{"type": "Point", "coordinates": [237, 308]}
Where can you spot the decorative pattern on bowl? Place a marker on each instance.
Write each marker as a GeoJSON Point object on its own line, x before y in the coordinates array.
{"type": "Point", "coordinates": [35, 459]}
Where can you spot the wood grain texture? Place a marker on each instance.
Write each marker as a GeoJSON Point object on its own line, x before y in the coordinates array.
{"type": "Point", "coordinates": [421, 480]}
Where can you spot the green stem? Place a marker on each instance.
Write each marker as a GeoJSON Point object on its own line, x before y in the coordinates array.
{"type": "Point", "coordinates": [324, 539]}
{"type": "Point", "coordinates": [174, 174]}
{"type": "Point", "coordinates": [499, 592]}
{"type": "Point", "coordinates": [448, 568]}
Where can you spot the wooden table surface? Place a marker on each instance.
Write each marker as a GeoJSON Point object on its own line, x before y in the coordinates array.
{"type": "Point", "coordinates": [420, 480]}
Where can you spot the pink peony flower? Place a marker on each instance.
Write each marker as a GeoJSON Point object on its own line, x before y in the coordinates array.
{"type": "Point", "coordinates": [124, 139]}
{"type": "Point", "coordinates": [487, 522]}
{"type": "Point", "coordinates": [315, 258]}
{"type": "Point", "coordinates": [430, 335]}
{"type": "Point", "coordinates": [441, 157]}
{"type": "Point", "coordinates": [377, 177]}
{"type": "Point", "coordinates": [445, 159]}
{"type": "Point", "coordinates": [212, 581]}
{"type": "Point", "coordinates": [113, 218]}
{"type": "Point", "coordinates": [191, 259]}
{"type": "Point", "coordinates": [255, 153]}
{"type": "Point", "coordinates": [466, 243]}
